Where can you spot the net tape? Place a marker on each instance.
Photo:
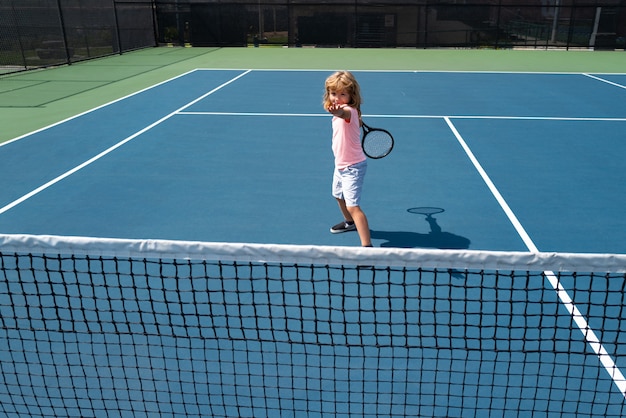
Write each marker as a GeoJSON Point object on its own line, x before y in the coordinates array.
{"type": "Point", "coordinates": [315, 254]}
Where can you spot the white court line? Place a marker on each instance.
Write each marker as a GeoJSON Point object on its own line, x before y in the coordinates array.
{"type": "Point", "coordinates": [605, 81]}
{"type": "Point", "coordinates": [494, 190]}
{"type": "Point", "coordinates": [504, 117]}
{"type": "Point", "coordinates": [112, 148]}
{"type": "Point", "coordinates": [589, 335]}
{"type": "Point", "coordinates": [255, 114]}
{"type": "Point", "coordinates": [407, 71]}
{"type": "Point", "coordinates": [551, 118]}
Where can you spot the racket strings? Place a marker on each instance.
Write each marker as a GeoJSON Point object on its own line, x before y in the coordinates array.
{"type": "Point", "coordinates": [377, 143]}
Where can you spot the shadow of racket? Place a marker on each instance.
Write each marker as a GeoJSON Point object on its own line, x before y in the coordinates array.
{"type": "Point", "coordinates": [426, 210]}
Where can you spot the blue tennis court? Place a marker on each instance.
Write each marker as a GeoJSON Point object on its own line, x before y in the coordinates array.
{"type": "Point", "coordinates": [507, 161]}
{"type": "Point", "coordinates": [244, 156]}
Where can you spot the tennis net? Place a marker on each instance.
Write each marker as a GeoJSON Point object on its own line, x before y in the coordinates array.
{"type": "Point", "coordinates": [93, 327]}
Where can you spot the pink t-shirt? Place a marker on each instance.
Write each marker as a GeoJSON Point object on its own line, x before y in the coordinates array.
{"type": "Point", "coordinates": [347, 141]}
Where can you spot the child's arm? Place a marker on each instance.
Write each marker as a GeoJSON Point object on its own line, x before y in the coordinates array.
{"type": "Point", "coordinates": [341, 111]}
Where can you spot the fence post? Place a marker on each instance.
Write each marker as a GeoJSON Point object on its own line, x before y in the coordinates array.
{"type": "Point", "coordinates": [426, 13]}
{"type": "Point", "coordinates": [497, 41]}
{"type": "Point", "coordinates": [117, 27]}
{"type": "Point", "coordinates": [19, 36]}
{"type": "Point", "coordinates": [64, 33]}
{"type": "Point", "coordinates": [155, 24]}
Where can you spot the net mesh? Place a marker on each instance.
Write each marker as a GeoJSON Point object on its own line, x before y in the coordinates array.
{"type": "Point", "coordinates": [93, 327]}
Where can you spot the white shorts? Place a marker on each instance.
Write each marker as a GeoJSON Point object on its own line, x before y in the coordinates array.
{"type": "Point", "coordinates": [347, 183]}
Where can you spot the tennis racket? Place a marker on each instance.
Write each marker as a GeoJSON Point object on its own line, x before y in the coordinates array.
{"type": "Point", "coordinates": [376, 143]}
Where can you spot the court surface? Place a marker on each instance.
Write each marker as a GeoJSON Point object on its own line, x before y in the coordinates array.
{"type": "Point", "coordinates": [512, 160]}
{"type": "Point", "coordinates": [508, 160]}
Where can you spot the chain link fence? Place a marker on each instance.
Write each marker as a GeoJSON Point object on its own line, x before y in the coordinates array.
{"type": "Point", "coordinates": [395, 23]}
{"type": "Point", "coordinates": [39, 33]}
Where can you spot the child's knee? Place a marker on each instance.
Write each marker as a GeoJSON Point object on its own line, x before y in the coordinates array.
{"type": "Point", "coordinates": [354, 210]}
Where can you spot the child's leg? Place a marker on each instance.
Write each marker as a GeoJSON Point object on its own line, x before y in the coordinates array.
{"type": "Point", "coordinates": [362, 226]}
{"type": "Point", "coordinates": [347, 190]}
{"type": "Point", "coordinates": [344, 210]}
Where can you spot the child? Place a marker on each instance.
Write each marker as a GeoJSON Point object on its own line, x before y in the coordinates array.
{"type": "Point", "coordinates": [342, 98]}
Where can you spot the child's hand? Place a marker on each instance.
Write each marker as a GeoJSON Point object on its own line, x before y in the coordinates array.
{"type": "Point", "coordinates": [336, 109]}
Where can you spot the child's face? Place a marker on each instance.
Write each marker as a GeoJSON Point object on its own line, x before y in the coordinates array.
{"type": "Point", "coordinates": [339, 96]}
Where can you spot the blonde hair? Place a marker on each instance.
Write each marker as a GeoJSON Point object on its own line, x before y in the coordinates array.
{"type": "Point", "coordinates": [343, 80]}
